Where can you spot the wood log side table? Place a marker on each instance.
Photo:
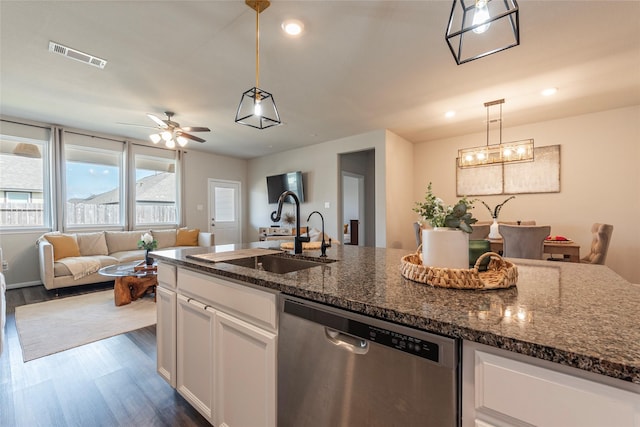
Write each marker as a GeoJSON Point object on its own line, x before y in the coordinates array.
{"type": "Point", "coordinates": [132, 281]}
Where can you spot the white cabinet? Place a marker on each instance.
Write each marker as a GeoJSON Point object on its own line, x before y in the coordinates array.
{"type": "Point", "coordinates": [166, 323]}
{"type": "Point", "coordinates": [217, 346]}
{"type": "Point", "coordinates": [166, 334]}
{"type": "Point", "coordinates": [245, 373]}
{"type": "Point", "coordinates": [502, 388]}
{"type": "Point", "coordinates": [194, 376]}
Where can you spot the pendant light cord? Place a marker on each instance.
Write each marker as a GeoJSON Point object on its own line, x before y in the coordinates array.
{"type": "Point", "coordinates": [258, 47]}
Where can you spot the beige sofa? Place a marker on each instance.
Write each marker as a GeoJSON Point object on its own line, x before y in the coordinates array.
{"type": "Point", "coordinates": [99, 249]}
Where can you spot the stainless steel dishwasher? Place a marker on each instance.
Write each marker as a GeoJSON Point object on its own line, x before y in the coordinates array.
{"type": "Point", "coordinates": [337, 368]}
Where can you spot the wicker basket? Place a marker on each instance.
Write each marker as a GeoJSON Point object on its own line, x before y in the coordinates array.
{"type": "Point", "coordinates": [500, 273]}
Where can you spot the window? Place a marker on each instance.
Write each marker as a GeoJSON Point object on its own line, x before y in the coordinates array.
{"type": "Point", "coordinates": [24, 176]}
{"type": "Point", "coordinates": [17, 197]}
{"type": "Point", "coordinates": [93, 182]}
{"type": "Point", "coordinates": [155, 188]}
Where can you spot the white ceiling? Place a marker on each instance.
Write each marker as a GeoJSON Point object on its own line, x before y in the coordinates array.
{"type": "Point", "coordinates": [360, 66]}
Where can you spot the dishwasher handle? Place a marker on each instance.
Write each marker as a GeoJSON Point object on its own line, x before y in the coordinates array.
{"type": "Point", "coordinates": [348, 342]}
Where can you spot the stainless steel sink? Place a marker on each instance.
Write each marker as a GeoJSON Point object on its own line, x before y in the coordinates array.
{"type": "Point", "coordinates": [277, 263]}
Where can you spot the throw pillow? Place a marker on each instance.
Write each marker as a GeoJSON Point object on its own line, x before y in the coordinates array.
{"type": "Point", "coordinates": [165, 238]}
{"type": "Point", "coordinates": [64, 245]}
{"type": "Point", "coordinates": [92, 244]}
{"type": "Point", "coordinates": [120, 241]}
{"type": "Point", "coordinates": [186, 237]}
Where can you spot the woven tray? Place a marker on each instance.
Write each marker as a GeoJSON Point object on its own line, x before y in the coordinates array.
{"type": "Point", "coordinates": [500, 273]}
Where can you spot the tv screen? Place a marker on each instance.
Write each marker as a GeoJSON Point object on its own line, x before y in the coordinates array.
{"type": "Point", "coordinates": [278, 184]}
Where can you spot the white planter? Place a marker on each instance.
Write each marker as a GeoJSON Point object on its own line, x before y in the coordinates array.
{"type": "Point", "coordinates": [445, 248]}
{"type": "Point", "coordinates": [494, 232]}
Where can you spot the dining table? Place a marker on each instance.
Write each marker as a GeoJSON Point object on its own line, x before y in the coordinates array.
{"type": "Point", "coordinates": [568, 249]}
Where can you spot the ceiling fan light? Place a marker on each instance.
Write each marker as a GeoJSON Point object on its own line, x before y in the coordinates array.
{"type": "Point", "coordinates": [166, 135]}
{"type": "Point", "coordinates": [155, 138]}
{"type": "Point", "coordinates": [171, 143]}
{"type": "Point", "coordinates": [182, 141]}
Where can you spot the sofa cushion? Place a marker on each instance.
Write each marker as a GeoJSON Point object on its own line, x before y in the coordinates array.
{"type": "Point", "coordinates": [64, 245]}
{"type": "Point", "coordinates": [92, 244]}
{"type": "Point", "coordinates": [118, 241]}
{"type": "Point", "coordinates": [128, 256]}
{"type": "Point", "coordinates": [165, 238]}
{"type": "Point", "coordinates": [186, 237]}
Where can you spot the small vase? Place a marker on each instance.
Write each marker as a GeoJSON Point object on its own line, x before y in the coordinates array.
{"type": "Point", "coordinates": [147, 259]}
{"type": "Point", "coordinates": [494, 230]}
{"type": "Point", "coordinates": [445, 248]}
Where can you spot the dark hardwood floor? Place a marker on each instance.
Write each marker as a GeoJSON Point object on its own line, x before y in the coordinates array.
{"type": "Point", "coordinates": [112, 382]}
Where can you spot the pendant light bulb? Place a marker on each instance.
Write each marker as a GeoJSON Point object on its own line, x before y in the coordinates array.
{"type": "Point", "coordinates": [481, 15]}
{"type": "Point", "coordinates": [257, 108]}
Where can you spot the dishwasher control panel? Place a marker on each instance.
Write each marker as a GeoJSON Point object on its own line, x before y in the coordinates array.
{"type": "Point", "coordinates": [402, 342]}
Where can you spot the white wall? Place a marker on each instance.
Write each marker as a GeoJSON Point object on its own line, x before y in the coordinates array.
{"type": "Point", "coordinates": [199, 167]}
{"type": "Point", "coordinates": [399, 199]}
{"type": "Point", "coordinates": [599, 180]}
{"type": "Point", "coordinates": [319, 164]}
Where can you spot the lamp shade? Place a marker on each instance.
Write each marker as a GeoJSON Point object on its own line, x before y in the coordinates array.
{"type": "Point", "coordinates": [478, 28]}
{"type": "Point", "coordinates": [257, 109]}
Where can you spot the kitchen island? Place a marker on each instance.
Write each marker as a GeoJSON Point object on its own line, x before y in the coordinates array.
{"type": "Point", "coordinates": [583, 317]}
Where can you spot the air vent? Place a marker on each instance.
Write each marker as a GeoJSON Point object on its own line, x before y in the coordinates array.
{"type": "Point", "coordinates": [77, 55]}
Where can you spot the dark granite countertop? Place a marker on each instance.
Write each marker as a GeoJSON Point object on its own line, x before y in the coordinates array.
{"type": "Point", "coordinates": [578, 315]}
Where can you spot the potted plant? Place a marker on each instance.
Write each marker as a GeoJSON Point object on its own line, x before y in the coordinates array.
{"type": "Point", "coordinates": [493, 230]}
{"type": "Point", "coordinates": [148, 243]}
{"type": "Point", "coordinates": [447, 244]}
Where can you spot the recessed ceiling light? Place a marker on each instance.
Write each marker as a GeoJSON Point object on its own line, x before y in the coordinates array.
{"type": "Point", "coordinates": [449, 114]}
{"type": "Point", "coordinates": [549, 91]}
{"type": "Point", "coordinates": [293, 27]}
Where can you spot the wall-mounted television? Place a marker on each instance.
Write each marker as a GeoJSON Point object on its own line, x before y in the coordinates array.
{"type": "Point", "coordinates": [278, 184]}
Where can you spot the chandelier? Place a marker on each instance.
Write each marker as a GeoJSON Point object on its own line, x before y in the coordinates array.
{"type": "Point", "coordinates": [491, 154]}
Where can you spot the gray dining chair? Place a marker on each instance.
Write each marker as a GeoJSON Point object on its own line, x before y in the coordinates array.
{"type": "Point", "coordinates": [479, 231]}
{"type": "Point", "coordinates": [599, 244]}
{"type": "Point", "coordinates": [417, 229]}
{"type": "Point", "coordinates": [523, 241]}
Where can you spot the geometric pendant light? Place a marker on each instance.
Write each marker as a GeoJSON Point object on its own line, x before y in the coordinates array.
{"type": "Point", "coordinates": [478, 28]}
{"type": "Point", "coordinates": [257, 107]}
{"type": "Point", "coordinates": [492, 154]}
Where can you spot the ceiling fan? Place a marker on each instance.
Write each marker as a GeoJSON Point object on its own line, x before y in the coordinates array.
{"type": "Point", "coordinates": [171, 132]}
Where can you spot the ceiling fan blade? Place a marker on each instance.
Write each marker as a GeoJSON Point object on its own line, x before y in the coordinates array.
{"type": "Point", "coordinates": [192, 137]}
{"type": "Point", "coordinates": [195, 129]}
{"type": "Point", "coordinates": [158, 120]}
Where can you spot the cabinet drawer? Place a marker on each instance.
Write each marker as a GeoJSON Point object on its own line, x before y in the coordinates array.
{"type": "Point", "coordinates": [167, 275]}
{"type": "Point", "coordinates": [519, 392]}
{"type": "Point", "coordinates": [253, 305]}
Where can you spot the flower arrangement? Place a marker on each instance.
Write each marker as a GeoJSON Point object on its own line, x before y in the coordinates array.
{"type": "Point", "coordinates": [496, 211]}
{"type": "Point", "coordinates": [147, 242]}
{"type": "Point", "coordinates": [438, 214]}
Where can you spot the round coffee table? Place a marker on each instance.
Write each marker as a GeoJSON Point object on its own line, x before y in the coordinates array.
{"type": "Point", "coordinates": [132, 280]}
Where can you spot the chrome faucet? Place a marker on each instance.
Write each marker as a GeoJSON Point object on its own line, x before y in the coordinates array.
{"type": "Point", "coordinates": [275, 217]}
{"type": "Point", "coordinates": [323, 245]}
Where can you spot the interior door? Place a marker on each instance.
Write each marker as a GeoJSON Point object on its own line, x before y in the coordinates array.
{"type": "Point", "coordinates": [224, 211]}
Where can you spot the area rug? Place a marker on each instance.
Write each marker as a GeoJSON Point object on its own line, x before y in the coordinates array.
{"type": "Point", "coordinates": [52, 326]}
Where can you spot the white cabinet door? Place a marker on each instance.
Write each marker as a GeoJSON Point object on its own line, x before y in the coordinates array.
{"type": "Point", "coordinates": [195, 346]}
{"type": "Point", "coordinates": [166, 334]}
{"type": "Point", "coordinates": [507, 389]}
{"type": "Point", "coordinates": [245, 374]}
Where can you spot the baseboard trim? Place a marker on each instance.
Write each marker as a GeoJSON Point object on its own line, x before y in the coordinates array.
{"type": "Point", "coordinates": [24, 284]}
